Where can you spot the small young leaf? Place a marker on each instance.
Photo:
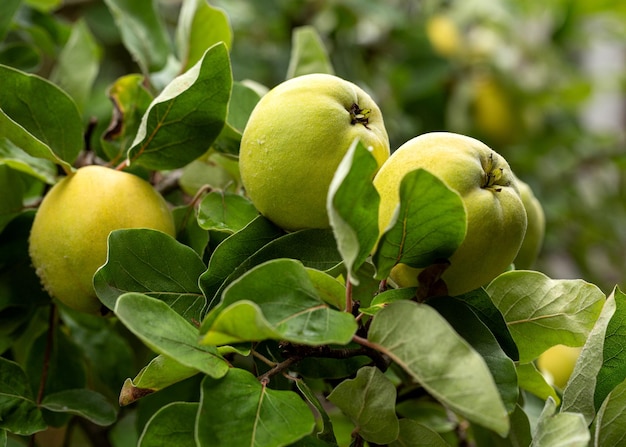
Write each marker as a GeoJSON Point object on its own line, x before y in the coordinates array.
{"type": "Point", "coordinates": [428, 227]}
{"type": "Point", "coordinates": [308, 53]}
{"type": "Point", "coordinates": [422, 342]}
{"type": "Point", "coordinates": [369, 400]}
{"type": "Point", "coordinates": [560, 429]}
{"type": "Point", "coordinates": [200, 26]}
{"type": "Point", "coordinates": [20, 160]}
{"type": "Point", "coordinates": [352, 206]}
{"type": "Point", "coordinates": [414, 434]}
{"type": "Point", "coordinates": [82, 402]}
{"type": "Point", "coordinates": [381, 300]}
{"type": "Point", "coordinates": [580, 395]}
{"type": "Point", "coordinates": [166, 332]}
{"type": "Point", "coordinates": [130, 102]}
{"type": "Point", "coordinates": [153, 263]}
{"type": "Point", "coordinates": [608, 426]}
{"type": "Point", "coordinates": [142, 32]}
{"type": "Point", "coordinates": [325, 432]}
{"type": "Point", "coordinates": [184, 120]}
{"type": "Point", "coordinates": [542, 312]}
{"type": "Point", "coordinates": [39, 118]}
{"type": "Point", "coordinates": [265, 417]}
{"type": "Point", "coordinates": [19, 413]}
{"type": "Point", "coordinates": [161, 372]}
{"type": "Point", "coordinates": [173, 424]}
{"type": "Point", "coordinates": [225, 211]}
{"type": "Point", "coordinates": [276, 300]}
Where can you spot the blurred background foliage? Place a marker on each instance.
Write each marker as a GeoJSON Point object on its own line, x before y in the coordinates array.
{"type": "Point", "coordinates": [540, 82]}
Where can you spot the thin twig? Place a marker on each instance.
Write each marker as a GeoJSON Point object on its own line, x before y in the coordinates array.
{"type": "Point", "coordinates": [280, 367]}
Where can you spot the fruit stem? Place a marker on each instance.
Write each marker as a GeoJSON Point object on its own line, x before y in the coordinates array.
{"type": "Point", "coordinates": [349, 301]}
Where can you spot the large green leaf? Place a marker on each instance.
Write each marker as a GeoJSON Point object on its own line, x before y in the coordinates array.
{"type": "Point", "coordinates": [530, 379]}
{"type": "Point", "coordinates": [315, 248]}
{"type": "Point", "coordinates": [276, 300]}
{"type": "Point", "coordinates": [39, 118]}
{"type": "Point", "coordinates": [608, 426]}
{"type": "Point", "coordinates": [308, 53]}
{"type": "Point", "coordinates": [581, 393]}
{"type": "Point", "coordinates": [12, 198]}
{"type": "Point", "coordinates": [82, 402]}
{"type": "Point", "coordinates": [233, 251]}
{"type": "Point", "coordinates": [78, 64]}
{"type": "Point", "coordinates": [173, 424]}
{"type": "Point", "coordinates": [155, 264]}
{"type": "Point", "coordinates": [188, 115]}
{"type": "Point", "coordinates": [542, 312]}
{"type": "Point", "coordinates": [561, 429]}
{"type": "Point", "coordinates": [166, 332]}
{"type": "Point", "coordinates": [353, 207]}
{"type": "Point", "coordinates": [428, 226]}
{"type": "Point", "coordinates": [414, 434]}
{"type": "Point", "coordinates": [20, 160]}
{"type": "Point", "coordinates": [142, 32]}
{"type": "Point", "coordinates": [422, 342]}
{"type": "Point", "coordinates": [264, 417]}
{"type": "Point", "coordinates": [369, 400]}
{"type": "Point", "coordinates": [19, 413]}
{"type": "Point", "coordinates": [477, 334]}
{"type": "Point", "coordinates": [200, 26]}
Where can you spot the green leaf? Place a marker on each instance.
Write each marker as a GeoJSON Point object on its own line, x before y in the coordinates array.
{"type": "Point", "coordinates": [471, 328]}
{"type": "Point", "coordinates": [225, 211]}
{"type": "Point", "coordinates": [328, 288]}
{"type": "Point", "coordinates": [243, 101]}
{"type": "Point", "coordinates": [19, 160]}
{"type": "Point", "coordinates": [200, 26]}
{"type": "Point", "coordinates": [19, 413]}
{"type": "Point", "coordinates": [608, 426]}
{"type": "Point", "coordinates": [142, 32]}
{"type": "Point", "coordinates": [308, 53]}
{"type": "Point", "coordinates": [8, 8]}
{"type": "Point", "coordinates": [166, 332]}
{"type": "Point", "coordinates": [435, 216]}
{"type": "Point", "coordinates": [265, 417]}
{"type": "Point", "coordinates": [422, 342]}
{"type": "Point", "coordinates": [20, 55]}
{"type": "Point", "coordinates": [82, 402]}
{"type": "Point", "coordinates": [233, 251]}
{"type": "Point", "coordinates": [369, 400]}
{"type": "Point", "coordinates": [353, 207]}
{"type": "Point", "coordinates": [580, 394]}
{"type": "Point", "coordinates": [78, 64]}
{"type": "Point", "coordinates": [542, 312]}
{"type": "Point", "coordinates": [315, 248]}
{"type": "Point", "coordinates": [613, 370]}
{"type": "Point", "coordinates": [325, 433]}
{"type": "Point", "coordinates": [43, 5]}
{"type": "Point", "coordinates": [276, 300]}
{"type": "Point", "coordinates": [483, 307]}
{"type": "Point", "coordinates": [161, 372]}
{"type": "Point", "coordinates": [11, 201]}
{"type": "Point", "coordinates": [39, 118]}
{"type": "Point", "coordinates": [155, 264]}
{"type": "Point", "coordinates": [183, 121]}
{"type": "Point", "coordinates": [414, 434]}
{"type": "Point", "coordinates": [560, 429]}
{"type": "Point", "coordinates": [519, 435]}
{"type": "Point", "coordinates": [173, 424]}
{"type": "Point", "coordinates": [381, 300]}
{"type": "Point", "coordinates": [530, 379]}
{"type": "Point", "coordinates": [130, 102]}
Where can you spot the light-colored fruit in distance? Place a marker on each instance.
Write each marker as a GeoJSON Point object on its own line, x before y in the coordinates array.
{"type": "Point", "coordinates": [295, 139]}
{"type": "Point", "coordinates": [496, 219]}
{"type": "Point", "coordinates": [68, 240]}
{"type": "Point", "coordinates": [533, 240]}
{"type": "Point", "coordinates": [557, 364]}
{"type": "Point", "coordinates": [443, 35]}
